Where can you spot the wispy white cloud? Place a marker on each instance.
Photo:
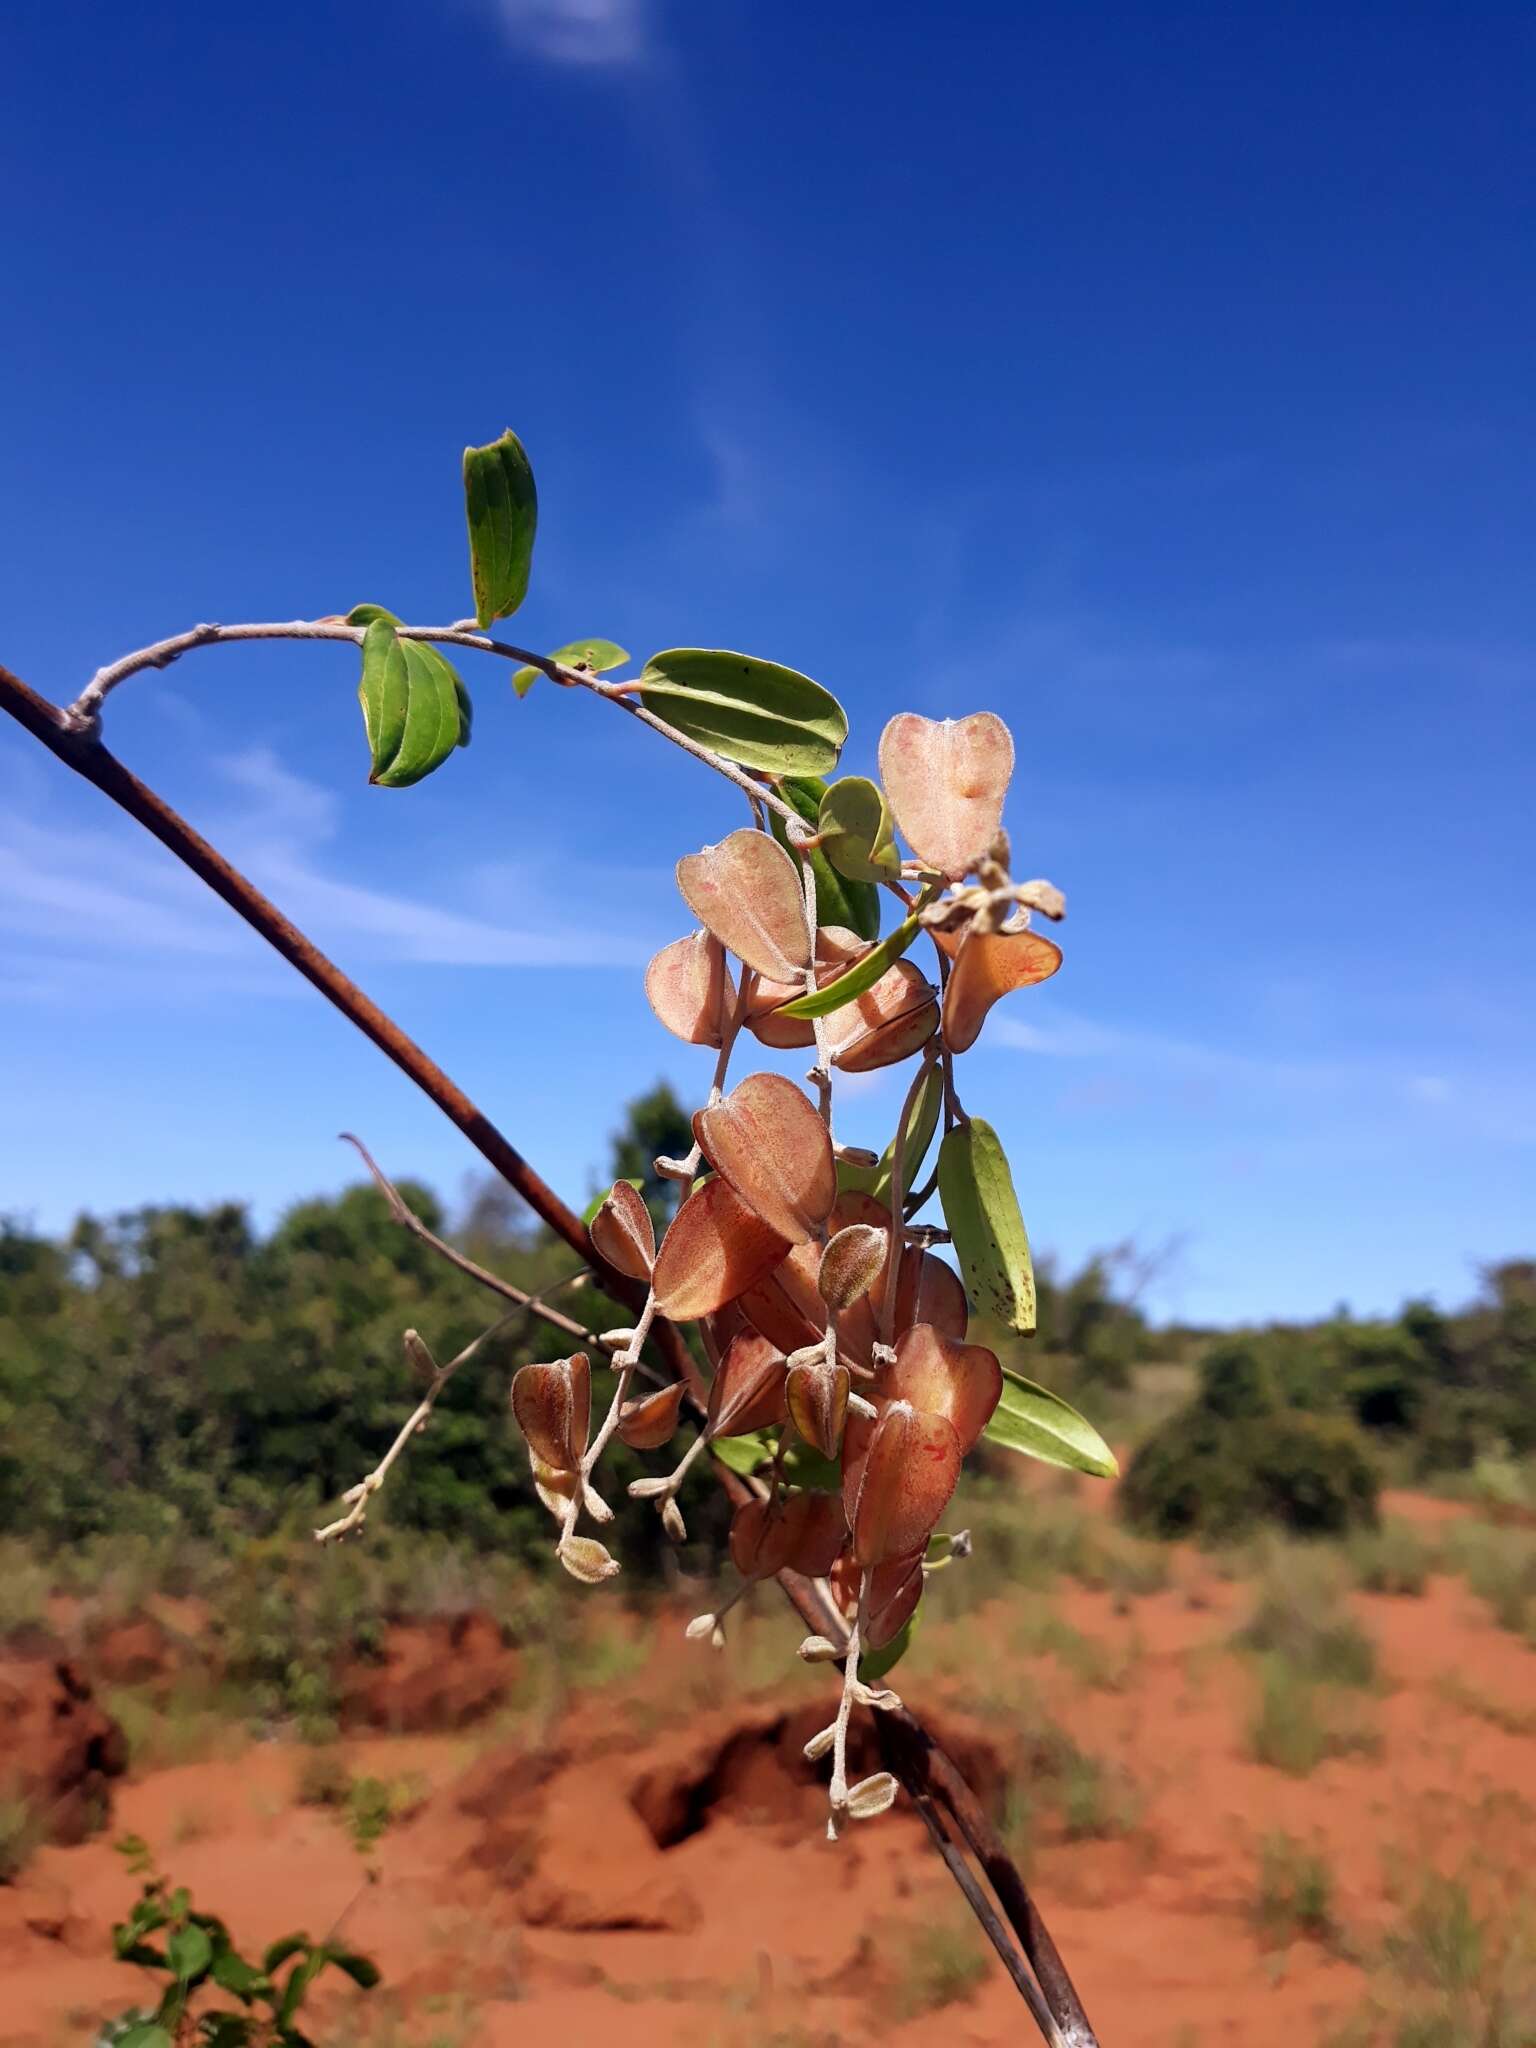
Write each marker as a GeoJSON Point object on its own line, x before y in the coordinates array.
{"type": "Point", "coordinates": [584, 34]}
{"type": "Point", "coordinates": [75, 902]}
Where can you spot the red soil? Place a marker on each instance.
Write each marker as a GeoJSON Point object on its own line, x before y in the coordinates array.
{"type": "Point", "coordinates": [644, 1871]}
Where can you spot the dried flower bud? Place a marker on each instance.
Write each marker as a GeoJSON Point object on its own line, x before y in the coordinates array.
{"type": "Point", "coordinates": [701, 1627]}
{"type": "Point", "coordinates": [820, 1743]}
{"type": "Point", "coordinates": [418, 1356]}
{"type": "Point", "coordinates": [672, 1522]}
{"type": "Point", "coordinates": [817, 1650]}
{"type": "Point", "coordinates": [850, 1265]}
{"type": "Point", "coordinates": [871, 1796]}
{"type": "Point", "coordinates": [881, 1698]}
{"type": "Point", "coordinates": [648, 1489]}
{"type": "Point", "coordinates": [587, 1559]}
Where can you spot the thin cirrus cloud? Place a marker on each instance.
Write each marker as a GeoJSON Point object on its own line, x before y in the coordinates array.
{"type": "Point", "coordinates": [582, 34]}
{"type": "Point", "coordinates": [80, 903]}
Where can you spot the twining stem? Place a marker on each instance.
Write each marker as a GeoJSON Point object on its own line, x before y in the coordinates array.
{"type": "Point", "coordinates": [359, 1496]}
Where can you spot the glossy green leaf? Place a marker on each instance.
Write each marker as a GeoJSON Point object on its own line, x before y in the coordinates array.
{"type": "Point", "coordinates": [280, 1950]}
{"type": "Point", "coordinates": [922, 1122]}
{"type": "Point", "coordinates": [856, 830]}
{"type": "Point", "coordinates": [415, 707]}
{"type": "Point", "coordinates": [365, 614]}
{"type": "Point", "coordinates": [742, 1454]}
{"type": "Point", "coordinates": [189, 1952]}
{"type": "Point", "coordinates": [363, 1971]}
{"type": "Point", "coordinates": [863, 974]}
{"type": "Point", "coordinates": [1038, 1423]}
{"type": "Point", "coordinates": [753, 712]}
{"type": "Point", "coordinates": [597, 655]}
{"type": "Point", "coordinates": [503, 509]}
{"type": "Point", "coordinates": [233, 1973]}
{"type": "Point", "coordinates": [854, 905]}
{"type": "Point", "coordinates": [981, 1211]}
{"type": "Point", "coordinates": [874, 1664]}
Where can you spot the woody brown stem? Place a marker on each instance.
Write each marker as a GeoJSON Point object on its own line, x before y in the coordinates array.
{"type": "Point", "coordinates": [917, 1761]}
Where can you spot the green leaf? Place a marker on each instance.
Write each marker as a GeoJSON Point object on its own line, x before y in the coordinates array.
{"type": "Point", "coordinates": [854, 905]}
{"type": "Point", "coordinates": [280, 1950]}
{"type": "Point", "coordinates": [415, 708]}
{"type": "Point", "coordinates": [296, 1990]}
{"type": "Point", "coordinates": [145, 2035]}
{"type": "Point", "coordinates": [363, 1971]}
{"type": "Point", "coordinates": [597, 655]}
{"type": "Point", "coordinates": [922, 1122]}
{"type": "Point", "coordinates": [753, 712]}
{"type": "Point", "coordinates": [1038, 1423]}
{"type": "Point", "coordinates": [233, 1973]}
{"type": "Point", "coordinates": [855, 824]}
{"type": "Point", "coordinates": [981, 1211]}
{"type": "Point", "coordinates": [225, 2030]}
{"type": "Point", "coordinates": [365, 614]}
{"type": "Point", "coordinates": [503, 510]}
{"type": "Point", "coordinates": [189, 1952]}
{"type": "Point", "coordinates": [863, 974]}
{"type": "Point", "coordinates": [742, 1454]}
{"type": "Point", "coordinates": [805, 1466]}
{"type": "Point", "coordinates": [874, 1666]}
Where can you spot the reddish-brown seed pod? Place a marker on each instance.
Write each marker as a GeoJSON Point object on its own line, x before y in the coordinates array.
{"type": "Point", "coordinates": [818, 1532]}
{"type": "Point", "coordinates": [891, 1596]}
{"type": "Point", "coordinates": [785, 1304]}
{"type": "Point", "coordinates": [938, 1376]}
{"type": "Point", "coordinates": [945, 781]}
{"type": "Point", "coordinates": [817, 1398]}
{"type": "Point", "coordinates": [905, 1482]}
{"type": "Point", "coordinates": [850, 1265]}
{"type": "Point", "coordinates": [747, 892]}
{"type": "Point", "coordinates": [552, 1405]}
{"type": "Point", "coordinates": [886, 1024]}
{"type": "Point", "coordinates": [767, 1140]}
{"type": "Point", "coordinates": [759, 1539]}
{"type": "Point", "coordinates": [623, 1232]}
{"type": "Point", "coordinates": [747, 1391]}
{"type": "Point", "coordinates": [836, 950]}
{"type": "Point", "coordinates": [714, 1249]}
{"type": "Point", "coordinates": [650, 1422]}
{"type": "Point", "coordinates": [989, 966]}
{"type": "Point", "coordinates": [689, 988]}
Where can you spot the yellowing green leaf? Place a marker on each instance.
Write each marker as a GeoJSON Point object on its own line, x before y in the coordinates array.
{"type": "Point", "coordinates": [839, 901]}
{"type": "Point", "coordinates": [982, 1214]}
{"type": "Point", "coordinates": [597, 655]}
{"type": "Point", "coordinates": [1039, 1424]}
{"type": "Point", "coordinates": [502, 508]}
{"type": "Point", "coordinates": [415, 708]}
{"type": "Point", "coordinates": [753, 712]}
{"type": "Point", "coordinates": [856, 831]}
{"type": "Point", "coordinates": [863, 974]}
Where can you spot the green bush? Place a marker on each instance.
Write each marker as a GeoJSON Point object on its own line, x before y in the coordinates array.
{"type": "Point", "coordinates": [1200, 1475]}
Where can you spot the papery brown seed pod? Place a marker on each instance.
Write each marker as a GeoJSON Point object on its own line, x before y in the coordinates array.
{"type": "Point", "coordinates": [938, 1376]}
{"type": "Point", "coordinates": [714, 1249]}
{"type": "Point", "coordinates": [945, 781]}
{"type": "Point", "coordinates": [905, 1482]}
{"type": "Point", "coordinates": [767, 1140]}
{"type": "Point", "coordinates": [818, 1533]}
{"type": "Point", "coordinates": [817, 1399]}
{"type": "Point", "coordinates": [851, 1264]}
{"type": "Point", "coordinates": [691, 991]}
{"type": "Point", "coordinates": [886, 1024]}
{"type": "Point", "coordinates": [553, 1408]}
{"type": "Point", "coordinates": [747, 892]}
{"type": "Point", "coordinates": [929, 1291]}
{"type": "Point", "coordinates": [623, 1232]}
{"type": "Point", "coordinates": [785, 1305]}
{"type": "Point", "coordinates": [989, 966]}
{"type": "Point", "coordinates": [836, 950]}
{"type": "Point", "coordinates": [760, 1539]}
{"type": "Point", "coordinates": [747, 1392]}
{"type": "Point", "coordinates": [891, 1598]}
{"type": "Point", "coordinates": [650, 1422]}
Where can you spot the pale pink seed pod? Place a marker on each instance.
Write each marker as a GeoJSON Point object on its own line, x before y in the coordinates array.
{"type": "Point", "coordinates": [945, 781]}
{"type": "Point", "coordinates": [688, 986]}
{"type": "Point", "coordinates": [851, 1264]}
{"type": "Point", "coordinates": [650, 1422]}
{"type": "Point", "coordinates": [887, 1024]}
{"type": "Point", "coordinates": [714, 1249]}
{"type": "Point", "coordinates": [747, 892]}
{"type": "Point", "coordinates": [623, 1232]}
{"type": "Point", "coordinates": [938, 1376]}
{"type": "Point", "coordinates": [907, 1478]}
{"type": "Point", "coordinates": [552, 1405]}
{"type": "Point", "coordinates": [989, 966]}
{"type": "Point", "coordinates": [817, 1399]}
{"type": "Point", "coordinates": [747, 1391]}
{"type": "Point", "coordinates": [767, 1140]}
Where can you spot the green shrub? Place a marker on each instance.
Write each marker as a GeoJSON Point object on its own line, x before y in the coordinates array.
{"type": "Point", "coordinates": [19, 1836]}
{"type": "Point", "coordinates": [940, 1962]}
{"type": "Point", "coordinates": [1295, 1891]}
{"type": "Point", "coordinates": [1298, 1724]}
{"type": "Point", "coordinates": [1300, 1619]}
{"type": "Point", "coordinates": [1392, 1559]}
{"type": "Point", "coordinates": [1201, 1476]}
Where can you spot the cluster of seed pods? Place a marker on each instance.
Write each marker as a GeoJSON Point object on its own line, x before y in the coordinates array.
{"type": "Point", "coordinates": [826, 1321]}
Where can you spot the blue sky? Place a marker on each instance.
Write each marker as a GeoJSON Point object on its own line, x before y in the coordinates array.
{"type": "Point", "coordinates": [1160, 377]}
